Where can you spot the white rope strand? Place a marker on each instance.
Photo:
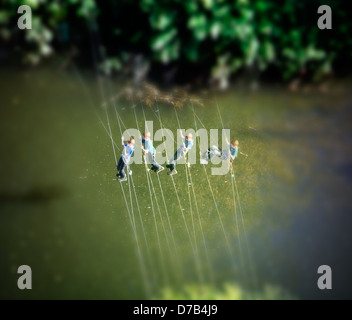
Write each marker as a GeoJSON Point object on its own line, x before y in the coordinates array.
{"type": "Point", "coordinates": [161, 254]}
{"type": "Point", "coordinates": [229, 247]}
{"type": "Point", "coordinates": [201, 276]}
{"type": "Point", "coordinates": [150, 183]}
{"type": "Point", "coordinates": [196, 258]}
{"type": "Point", "coordinates": [177, 257]}
{"type": "Point", "coordinates": [234, 184]}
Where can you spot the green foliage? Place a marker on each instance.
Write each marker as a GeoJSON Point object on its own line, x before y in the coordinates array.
{"type": "Point", "coordinates": [221, 36]}
{"type": "Point", "coordinates": [109, 65]}
{"type": "Point", "coordinates": [229, 291]}
{"type": "Point", "coordinates": [48, 18]}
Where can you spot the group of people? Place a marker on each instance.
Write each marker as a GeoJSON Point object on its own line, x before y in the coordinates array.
{"type": "Point", "coordinates": [149, 154]}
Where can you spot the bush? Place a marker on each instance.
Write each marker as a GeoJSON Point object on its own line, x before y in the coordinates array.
{"type": "Point", "coordinates": [222, 37]}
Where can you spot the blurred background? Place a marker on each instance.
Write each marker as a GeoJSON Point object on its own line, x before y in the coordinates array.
{"type": "Point", "coordinates": [176, 42]}
{"type": "Point", "coordinates": [263, 68]}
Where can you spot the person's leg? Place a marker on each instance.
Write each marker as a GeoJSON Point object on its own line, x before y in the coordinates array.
{"type": "Point", "coordinates": [177, 156]}
{"type": "Point", "coordinates": [156, 165]}
{"type": "Point", "coordinates": [171, 165]}
{"type": "Point", "coordinates": [151, 161]}
{"type": "Point", "coordinates": [119, 165]}
{"type": "Point", "coordinates": [214, 151]}
{"type": "Point", "coordinates": [122, 170]}
{"type": "Point", "coordinates": [173, 160]}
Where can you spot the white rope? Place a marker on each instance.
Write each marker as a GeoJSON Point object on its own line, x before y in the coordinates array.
{"type": "Point", "coordinates": [217, 209]}
{"type": "Point", "coordinates": [251, 266]}
{"type": "Point", "coordinates": [234, 184]}
{"type": "Point", "coordinates": [162, 258]}
{"type": "Point", "coordinates": [197, 262]}
{"type": "Point", "coordinates": [130, 214]}
{"type": "Point", "coordinates": [150, 183]}
{"type": "Point", "coordinates": [139, 253]}
{"type": "Point", "coordinates": [201, 276]}
{"type": "Point", "coordinates": [210, 269]}
{"type": "Point", "coordinates": [177, 257]}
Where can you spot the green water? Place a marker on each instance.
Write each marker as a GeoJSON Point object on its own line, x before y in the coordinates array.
{"type": "Point", "coordinates": [63, 214]}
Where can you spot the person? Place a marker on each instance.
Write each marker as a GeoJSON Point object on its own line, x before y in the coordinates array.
{"type": "Point", "coordinates": [149, 152]}
{"type": "Point", "coordinates": [180, 153]}
{"type": "Point", "coordinates": [127, 152]}
{"type": "Point", "coordinates": [214, 151]}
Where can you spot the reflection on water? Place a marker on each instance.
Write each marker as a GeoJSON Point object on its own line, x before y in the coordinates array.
{"type": "Point", "coordinates": [63, 213]}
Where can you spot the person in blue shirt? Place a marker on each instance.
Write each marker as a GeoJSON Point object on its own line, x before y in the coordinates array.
{"type": "Point", "coordinates": [231, 152]}
{"type": "Point", "coordinates": [149, 152]}
{"type": "Point", "coordinates": [127, 152]}
{"type": "Point", "coordinates": [180, 153]}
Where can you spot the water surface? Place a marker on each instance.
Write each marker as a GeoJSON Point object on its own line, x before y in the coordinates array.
{"type": "Point", "coordinates": [63, 214]}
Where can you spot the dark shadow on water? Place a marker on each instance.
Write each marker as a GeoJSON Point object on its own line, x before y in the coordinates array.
{"type": "Point", "coordinates": [35, 195]}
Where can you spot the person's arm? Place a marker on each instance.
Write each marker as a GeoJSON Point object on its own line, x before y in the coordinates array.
{"type": "Point", "coordinates": [143, 149]}
{"type": "Point", "coordinates": [186, 149]}
{"type": "Point", "coordinates": [233, 157]}
{"type": "Point", "coordinates": [124, 153]}
{"type": "Point", "coordinates": [183, 141]}
{"type": "Point", "coordinates": [190, 145]}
